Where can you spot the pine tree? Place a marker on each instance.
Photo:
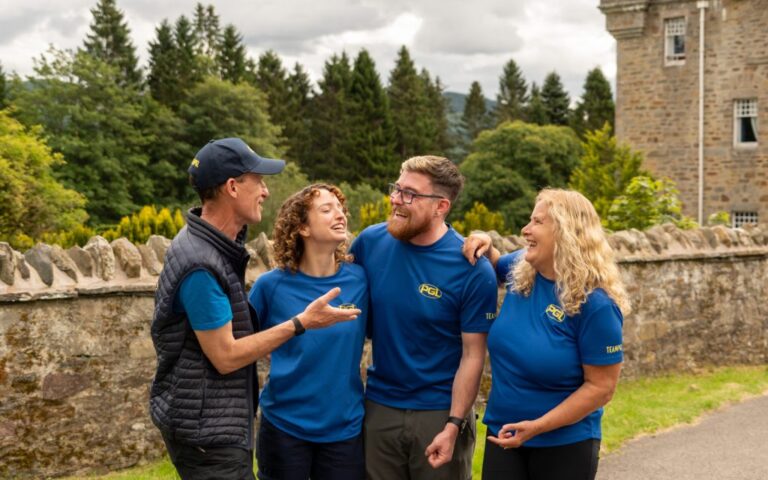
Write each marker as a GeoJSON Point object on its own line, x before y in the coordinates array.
{"type": "Point", "coordinates": [556, 100]}
{"type": "Point", "coordinates": [512, 96]}
{"type": "Point", "coordinates": [535, 111]}
{"type": "Point", "coordinates": [109, 41]}
{"type": "Point", "coordinates": [188, 67]}
{"type": "Point", "coordinates": [409, 106]}
{"type": "Point", "coordinates": [296, 130]}
{"type": "Point", "coordinates": [271, 78]}
{"type": "Point", "coordinates": [163, 66]}
{"type": "Point", "coordinates": [596, 106]}
{"type": "Point", "coordinates": [232, 59]}
{"type": "Point", "coordinates": [437, 113]}
{"type": "Point", "coordinates": [208, 39]}
{"type": "Point", "coordinates": [372, 133]}
{"type": "Point", "coordinates": [475, 116]}
{"type": "Point", "coordinates": [329, 156]}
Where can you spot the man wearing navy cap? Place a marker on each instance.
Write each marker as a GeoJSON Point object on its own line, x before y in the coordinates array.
{"type": "Point", "coordinates": [205, 391]}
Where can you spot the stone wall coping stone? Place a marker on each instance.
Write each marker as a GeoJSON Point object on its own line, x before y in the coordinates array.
{"type": "Point", "coordinates": [122, 268]}
{"type": "Point", "coordinates": [142, 288]}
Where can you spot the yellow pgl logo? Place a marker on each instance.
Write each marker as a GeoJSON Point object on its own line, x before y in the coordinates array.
{"type": "Point", "coordinates": [430, 291]}
{"type": "Point", "coordinates": [555, 313]}
{"type": "Point", "coordinates": [347, 306]}
{"type": "Point", "coordinates": [195, 162]}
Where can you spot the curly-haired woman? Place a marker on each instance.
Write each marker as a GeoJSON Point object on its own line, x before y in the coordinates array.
{"type": "Point", "coordinates": [556, 346]}
{"type": "Point", "coordinates": [312, 404]}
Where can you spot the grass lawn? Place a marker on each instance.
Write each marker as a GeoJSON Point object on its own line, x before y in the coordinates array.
{"type": "Point", "coordinates": [639, 407]}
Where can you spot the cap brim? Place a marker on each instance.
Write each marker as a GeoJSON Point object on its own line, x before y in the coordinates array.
{"type": "Point", "coordinates": [268, 166]}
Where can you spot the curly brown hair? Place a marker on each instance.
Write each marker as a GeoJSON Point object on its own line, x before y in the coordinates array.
{"type": "Point", "coordinates": [293, 215]}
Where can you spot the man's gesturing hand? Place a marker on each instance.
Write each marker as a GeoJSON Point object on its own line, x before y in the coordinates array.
{"type": "Point", "coordinates": [320, 314]}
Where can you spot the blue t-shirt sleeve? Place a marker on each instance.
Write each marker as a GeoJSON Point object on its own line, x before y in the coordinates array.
{"type": "Point", "coordinates": [478, 309]}
{"type": "Point", "coordinates": [203, 300]}
{"type": "Point", "coordinates": [258, 298]}
{"type": "Point", "coordinates": [506, 264]}
{"type": "Point", "coordinates": [356, 249]}
{"type": "Point", "coordinates": [600, 340]}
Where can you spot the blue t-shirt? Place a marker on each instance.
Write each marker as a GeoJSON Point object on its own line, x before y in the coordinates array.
{"type": "Point", "coordinates": [314, 391]}
{"type": "Point", "coordinates": [537, 353]}
{"type": "Point", "coordinates": [203, 300]}
{"type": "Point", "coordinates": [422, 299]}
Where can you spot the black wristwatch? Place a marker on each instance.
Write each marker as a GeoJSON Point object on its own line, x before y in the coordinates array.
{"type": "Point", "coordinates": [298, 326]}
{"type": "Point", "coordinates": [459, 422]}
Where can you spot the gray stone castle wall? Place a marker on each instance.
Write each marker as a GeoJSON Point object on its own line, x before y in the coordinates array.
{"type": "Point", "coordinates": [657, 106]}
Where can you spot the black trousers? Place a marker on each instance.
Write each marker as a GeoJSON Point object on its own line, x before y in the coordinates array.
{"type": "Point", "coordinates": [285, 457]}
{"type": "Point", "coordinates": [219, 463]}
{"type": "Point", "coordinates": [575, 461]}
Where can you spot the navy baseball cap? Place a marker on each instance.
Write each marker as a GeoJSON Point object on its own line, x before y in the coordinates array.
{"type": "Point", "coordinates": [227, 158]}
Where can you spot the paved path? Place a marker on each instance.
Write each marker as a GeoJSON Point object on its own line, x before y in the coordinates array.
{"type": "Point", "coordinates": [731, 444]}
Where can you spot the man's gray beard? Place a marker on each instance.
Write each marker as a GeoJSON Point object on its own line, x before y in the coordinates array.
{"type": "Point", "coordinates": [407, 230]}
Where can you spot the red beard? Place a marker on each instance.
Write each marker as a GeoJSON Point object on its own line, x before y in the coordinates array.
{"type": "Point", "coordinates": [406, 229]}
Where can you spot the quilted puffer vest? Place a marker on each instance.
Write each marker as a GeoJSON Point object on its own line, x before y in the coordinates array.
{"type": "Point", "coordinates": [190, 401]}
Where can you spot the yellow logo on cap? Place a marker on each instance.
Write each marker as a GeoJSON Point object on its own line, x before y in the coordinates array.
{"type": "Point", "coordinates": [195, 162]}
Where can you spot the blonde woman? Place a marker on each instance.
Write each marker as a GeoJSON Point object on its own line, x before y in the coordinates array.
{"type": "Point", "coordinates": [556, 346]}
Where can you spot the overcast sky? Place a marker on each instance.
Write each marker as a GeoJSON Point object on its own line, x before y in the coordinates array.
{"type": "Point", "coordinates": [458, 40]}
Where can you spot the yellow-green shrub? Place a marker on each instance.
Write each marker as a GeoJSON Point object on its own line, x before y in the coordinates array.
{"type": "Point", "coordinates": [78, 235]}
{"type": "Point", "coordinates": [480, 218]}
{"type": "Point", "coordinates": [148, 221]}
{"type": "Point", "coordinates": [373, 213]}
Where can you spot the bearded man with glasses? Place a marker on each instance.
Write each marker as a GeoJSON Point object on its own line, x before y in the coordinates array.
{"type": "Point", "coordinates": [430, 314]}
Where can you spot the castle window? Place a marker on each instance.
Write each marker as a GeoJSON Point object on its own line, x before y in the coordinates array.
{"type": "Point", "coordinates": [743, 218]}
{"type": "Point", "coordinates": [674, 41]}
{"type": "Point", "coordinates": [745, 122]}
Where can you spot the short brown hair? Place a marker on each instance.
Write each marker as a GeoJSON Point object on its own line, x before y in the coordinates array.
{"type": "Point", "coordinates": [211, 193]}
{"type": "Point", "coordinates": [294, 214]}
{"type": "Point", "coordinates": [443, 173]}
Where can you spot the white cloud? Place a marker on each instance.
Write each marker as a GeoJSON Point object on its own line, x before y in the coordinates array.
{"type": "Point", "coordinates": [456, 40]}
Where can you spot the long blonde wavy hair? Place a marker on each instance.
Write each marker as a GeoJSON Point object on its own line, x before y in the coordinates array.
{"type": "Point", "coordinates": [583, 258]}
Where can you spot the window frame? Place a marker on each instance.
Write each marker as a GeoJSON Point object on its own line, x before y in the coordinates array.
{"type": "Point", "coordinates": [745, 108]}
{"type": "Point", "coordinates": [671, 58]}
{"type": "Point", "coordinates": [743, 217]}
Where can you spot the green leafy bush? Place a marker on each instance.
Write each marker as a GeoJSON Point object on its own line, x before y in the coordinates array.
{"type": "Point", "coordinates": [647, 202]}
{"type": "Point", "coordinates": [719, 218]}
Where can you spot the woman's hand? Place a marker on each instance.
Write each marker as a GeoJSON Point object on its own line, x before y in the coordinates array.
{"type": "Point", "coordinates": [478, 244]}
{"type": "Point", "coordinates": [513, 435]}
{"type": "Point", "coordinates": [598, 387]}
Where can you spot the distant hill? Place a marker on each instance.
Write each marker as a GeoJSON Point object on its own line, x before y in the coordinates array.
{"type": "Point", "coordinates": [457, 101]}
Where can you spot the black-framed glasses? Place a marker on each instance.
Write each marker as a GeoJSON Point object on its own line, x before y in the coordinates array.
{"type": "Point", "coordinates": [407, 196]}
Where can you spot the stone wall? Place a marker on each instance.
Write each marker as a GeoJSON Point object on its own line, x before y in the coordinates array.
{"type": "Point", "coordinates": [76, 359]}
{"type": "Point", "coordinates": [657, 105]}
